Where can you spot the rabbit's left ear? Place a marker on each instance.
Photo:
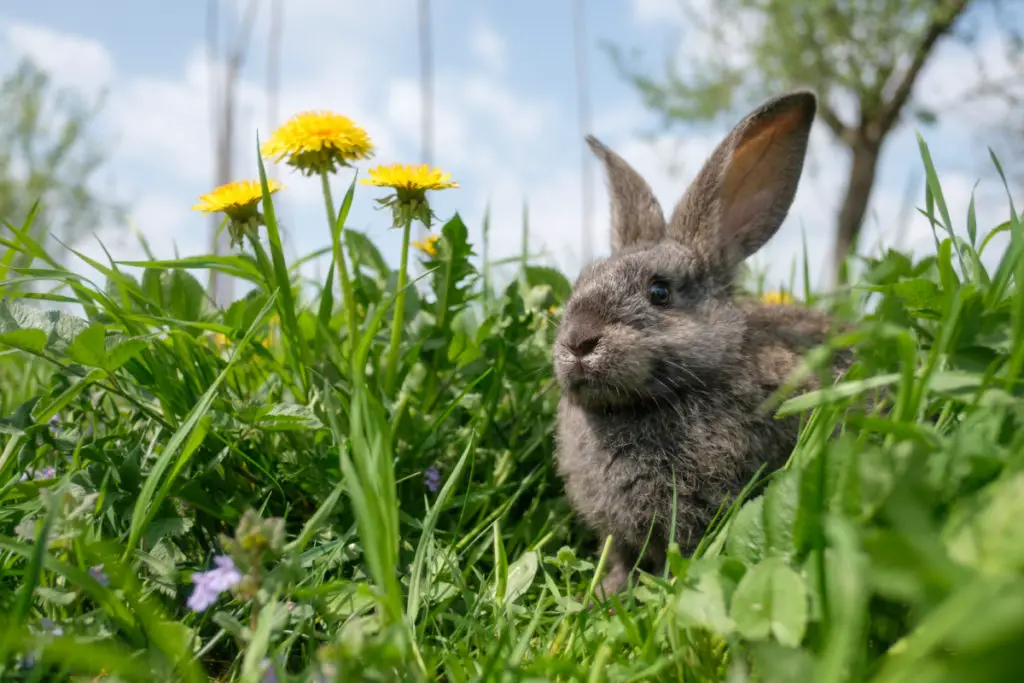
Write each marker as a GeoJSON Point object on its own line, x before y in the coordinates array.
{"type": "Point", "coordinates": [744, 191]}
{"type": "Point", "coordinates": [635, 212]}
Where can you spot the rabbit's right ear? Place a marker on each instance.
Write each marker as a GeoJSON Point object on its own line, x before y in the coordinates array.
{"type": "Point", "coordinates": [636, 214]}
{"type": "Point", "coordinates": [744, 191]}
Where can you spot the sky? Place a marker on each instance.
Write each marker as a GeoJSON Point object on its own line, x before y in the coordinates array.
{"type": "Point", "coordinates": [506, 120]}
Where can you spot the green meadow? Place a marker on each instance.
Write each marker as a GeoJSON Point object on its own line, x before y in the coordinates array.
{"type": "Point", "coordinates": [353, 479]}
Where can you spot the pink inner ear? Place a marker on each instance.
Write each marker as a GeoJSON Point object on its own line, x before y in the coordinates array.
{"type": "Point", "coordinates": [758, 177]}
{"type": "Point", "coordinates": [740, 213]}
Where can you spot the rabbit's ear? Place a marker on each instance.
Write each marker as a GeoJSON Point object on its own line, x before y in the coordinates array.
{"type": "Point", "coordinates": [743, 193]}
{"type": "Point", "coordinates": [636, 214]}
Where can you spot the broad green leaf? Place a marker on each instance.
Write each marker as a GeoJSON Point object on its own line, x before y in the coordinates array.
{"type": "Point", "coordinates": [985, 531]}
{"type": "Point", "coordinates": [184, 296]}
{"type": "Point", "coordinates": [560, 286]}
{"type": "Point", "coordinates": [771, 599]}
{"type": "Point", "coordinates": [27, 340]}
{"type": "Point", "coordinates": [289, 416]}
{"type": "Point", "coordinates": [703, 605]}
{"type": "Point", "coordinates": [365, 252]}
{"type": "Point", "coordinates": [60, 328]}
{"type": "Point", "coordinates": [919, 293]}
{"type": "Point", "coordinates": [124, 352]}
{"type": "Point", "coordinates": [745, 540]}
{"type": "Point", "coordinates": [781, 502]}
{"type": "Point", "coordinates": [520, 576]}
{"type": "Point", "coordinates": [90, 347]}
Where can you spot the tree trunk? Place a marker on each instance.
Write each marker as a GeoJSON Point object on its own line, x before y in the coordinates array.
{"type": "Point", "coordinates": [855, 204]}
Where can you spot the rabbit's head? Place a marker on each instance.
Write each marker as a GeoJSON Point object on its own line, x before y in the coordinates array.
{"type": "Point", "coordinates": [657, 316]}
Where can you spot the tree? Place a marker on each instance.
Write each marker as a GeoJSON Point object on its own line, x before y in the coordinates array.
{"type": "Point", "coordinates": [868, 53]}
{"type": "Point", "coordinates": [47, 156]}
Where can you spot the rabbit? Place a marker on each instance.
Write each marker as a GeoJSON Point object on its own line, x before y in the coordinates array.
{"type": "Point", "coordinates": [662, 371]}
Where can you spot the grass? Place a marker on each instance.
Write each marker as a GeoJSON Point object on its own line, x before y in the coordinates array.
{"type": "Point", "coordinates": [420, 533]}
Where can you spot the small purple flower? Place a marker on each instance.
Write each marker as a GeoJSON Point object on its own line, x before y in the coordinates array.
{"type": "Point", "coordinates": [269, 672]}
{"type": "Point", "coordinates": [48, 626]}
{"type": "Point", "coordinates": [432, 479]}
{"type": "Point", "coordinates": [35, 475]}
{"type": "Point", "coordinates": [210, 584]}
{"type": "Point", "coordinates": [55, 425]}
{"type": "Point", "coordinates": [100, 575]}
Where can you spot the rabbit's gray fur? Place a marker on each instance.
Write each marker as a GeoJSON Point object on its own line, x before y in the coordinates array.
{"type": "Point", "coordinates": [656, 394]}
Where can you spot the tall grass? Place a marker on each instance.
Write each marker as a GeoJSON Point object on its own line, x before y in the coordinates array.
{"type": "Point", "coordinates": [420, 534]}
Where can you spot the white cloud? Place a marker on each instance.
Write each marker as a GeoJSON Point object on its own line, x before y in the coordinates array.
{"type": "Point", "coordinates": [513, 116]}
{"type": "Point", "coordinates": [504, 144]}
{"type": "Point", "coordinates": [488, 47]}
{"type": "Point", "coordinates": [72, 61]}
{"type": "Point", "coordinates": [656, 11]}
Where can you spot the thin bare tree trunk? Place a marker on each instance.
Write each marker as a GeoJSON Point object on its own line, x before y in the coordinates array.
{"type": "Point", "coordinates": [274, 63]}
{"type": "Point", "coordinates": [212, 54]}
{"type": "Point", "coordinates": [863, 169]}
{"type": "Point", "coordinates": [276, 29]}
{"type": "Point", "coordinates": [426, 89]}
{"type": "Point", "coordinates": [583, 102]}
{"type": "Point", "coordinates": [221, 288]}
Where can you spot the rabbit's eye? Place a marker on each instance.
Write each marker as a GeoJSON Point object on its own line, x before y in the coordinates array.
{"type": "Point", "coordinates": [658, 293]}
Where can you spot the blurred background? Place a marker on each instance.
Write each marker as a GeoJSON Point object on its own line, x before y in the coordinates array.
{"type": "Point", "coordinates": [118, 114]}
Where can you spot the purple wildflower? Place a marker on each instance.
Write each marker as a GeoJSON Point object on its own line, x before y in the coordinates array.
{"type": "Point", "coordinates": [432, 479]}
{"type": "Point", "coordinates": [269, 672]}
{"type": "Point", "coordinates": [210, 584]}
{"type": "Point", "coordinates": [48, 626]}
{"type": "Point", "coordinates": [54, 425]}
{"type": "Point", "coordinates": [44, 473]}
{"type": "Point", "coordinates": [100, 575]}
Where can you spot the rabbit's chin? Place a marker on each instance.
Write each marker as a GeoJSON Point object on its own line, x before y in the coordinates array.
{"type": "Point", "coordinates": [598, 391]}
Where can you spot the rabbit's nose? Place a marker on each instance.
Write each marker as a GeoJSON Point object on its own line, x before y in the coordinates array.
{"type": "Point", "coordinates": [585, 346]}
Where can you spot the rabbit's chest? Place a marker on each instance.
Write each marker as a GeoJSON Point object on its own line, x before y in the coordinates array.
{"type": "Point", "coordinates": [620, 471]}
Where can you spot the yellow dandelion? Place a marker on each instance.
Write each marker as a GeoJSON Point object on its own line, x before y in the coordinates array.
{"type": "Point", "coordinates": [410, 178]}
{"type": "Point", "coordinates": [273, 331]}
{"type": "Point", "coordinates": [219, 340]}
{"type": "Point", "coordinates": [239, 201]}
{"type": "Point", "coordinates": [773, 298]}
{"type": "Point", "coordinates": [318, 142]}
{"type": "Point", "coordinates": [410, 183]}
{"type": "Point", "coordinates": [428, 245]}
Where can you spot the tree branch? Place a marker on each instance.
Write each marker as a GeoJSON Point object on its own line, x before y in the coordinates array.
{"type": "Point", "coordinates": [832, 120]}
{"type": "Point", "coordinates": [939, 26]}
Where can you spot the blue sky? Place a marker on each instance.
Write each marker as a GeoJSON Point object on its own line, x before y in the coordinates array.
{"type": "Point", "coordinates": [506, 117]}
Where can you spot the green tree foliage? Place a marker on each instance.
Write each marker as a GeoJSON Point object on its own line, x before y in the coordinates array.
{"type": "Point", "coordinates": [865, 53]}
{"type": "Point", "coordinates": [47, 155]}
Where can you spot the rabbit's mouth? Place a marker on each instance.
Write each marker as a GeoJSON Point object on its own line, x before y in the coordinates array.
{"type": "Point", "coordinates": [590, 387]}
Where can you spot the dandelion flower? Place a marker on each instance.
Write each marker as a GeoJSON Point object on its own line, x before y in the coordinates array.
{"type": "Point", "coordinates": [410, 183]}
{"type": "Point", "coordinates": [410, 178]}
{"type": "Point", "coordinates": [318, 142]}
{"type": "Point", "coordinates": [210, 584]}
{"type": "Point", "coordinates": [773, 298]}
{"type": "Point", "coordinates": [239, 201]}
{"type": "Point", "coordinates": [428, 245]}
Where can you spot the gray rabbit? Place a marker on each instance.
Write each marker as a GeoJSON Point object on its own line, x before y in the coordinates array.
{"type": "Point", "coordinates": [662, 369]}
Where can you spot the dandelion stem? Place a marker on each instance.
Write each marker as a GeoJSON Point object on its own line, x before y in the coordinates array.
{"type": "Point", "coordinates": [348, 297]}
{"type": "Point", "coordinates": [396, 323]}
